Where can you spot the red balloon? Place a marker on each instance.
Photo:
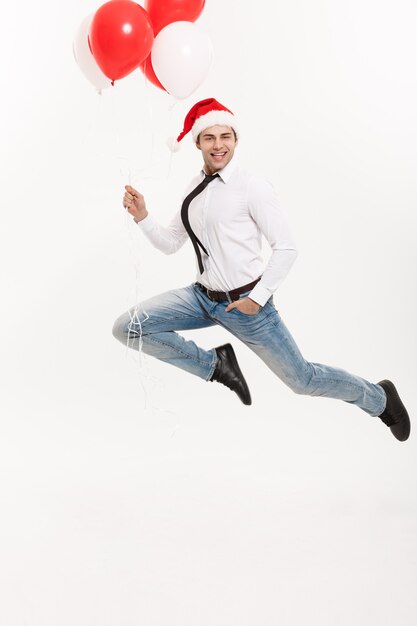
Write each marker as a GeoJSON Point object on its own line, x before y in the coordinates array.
{"type": "Point", "coordinates": [120, 38]}
{"type": "Point", "coordinates": [147, 69]}
{"type": "Point", "coordinates": [164, 12]}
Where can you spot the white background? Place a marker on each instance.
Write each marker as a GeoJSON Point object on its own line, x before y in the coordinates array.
{"type": "Point", "coordinates": [131, 492]}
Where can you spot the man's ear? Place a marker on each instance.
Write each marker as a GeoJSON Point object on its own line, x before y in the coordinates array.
{"type": "Point", "coordinates": [197, 143]}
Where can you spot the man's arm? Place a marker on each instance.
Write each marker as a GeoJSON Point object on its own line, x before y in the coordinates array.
{"type": "Point", "coordinates": [169, 238]}
{"type": "Point", "coordinates": [270, 217]}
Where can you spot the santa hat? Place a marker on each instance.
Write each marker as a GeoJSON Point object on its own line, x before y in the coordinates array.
{"type": "Point", "coordinates": [204, 114]}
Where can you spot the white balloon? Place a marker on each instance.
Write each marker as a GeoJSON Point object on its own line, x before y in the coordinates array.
{"type": "Point", "coordinates": [85, 59]}
{"type": "Point", "coordinates": [181, 57]}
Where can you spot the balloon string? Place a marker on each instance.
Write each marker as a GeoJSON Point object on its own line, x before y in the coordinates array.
{"type": "Point", "coordinates": [135, 323]}
{"type": "Point", "coordinates": [93, 119]}
{"type": "Point", "coordinates": [171, 107]}
{"type": "Point", "coordinates": [151, 115]}
{"type": "Point", "coordinates": [144, 376]}
{"type": "Point", "coordinates": [138, 316]}
{"type": "Point", "coordinates": [135, 312]}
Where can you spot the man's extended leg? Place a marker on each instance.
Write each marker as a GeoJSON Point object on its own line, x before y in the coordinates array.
{"type": "Point", "coordinates": [266, 334]}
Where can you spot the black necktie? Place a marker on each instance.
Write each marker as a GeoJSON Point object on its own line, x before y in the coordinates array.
{"type": "Point", "coordinates": [184, 216]}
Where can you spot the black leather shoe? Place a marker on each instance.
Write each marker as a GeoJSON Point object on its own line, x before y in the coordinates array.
{"type": "Point", "coordinates": [395, 414]}
{"type": "Point", "coordinates": [228, 372]}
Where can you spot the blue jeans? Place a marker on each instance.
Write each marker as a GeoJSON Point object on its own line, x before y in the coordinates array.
{"type": "Point", "coordinates": [153, 324]}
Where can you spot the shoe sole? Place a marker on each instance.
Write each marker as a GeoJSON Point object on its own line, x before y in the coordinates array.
{"type": "Point", "coordinates": [404, 414]}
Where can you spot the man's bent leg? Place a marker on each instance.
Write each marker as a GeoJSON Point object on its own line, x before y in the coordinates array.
{"type": "Point", "coordinates": [151, 326]}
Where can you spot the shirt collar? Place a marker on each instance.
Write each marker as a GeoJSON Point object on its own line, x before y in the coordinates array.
{"type": "Point", "coordinates": [226, 171]}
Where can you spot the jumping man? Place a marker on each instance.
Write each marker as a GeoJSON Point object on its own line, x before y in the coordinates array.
{"type": "Point", "coordinates": [225, 211]}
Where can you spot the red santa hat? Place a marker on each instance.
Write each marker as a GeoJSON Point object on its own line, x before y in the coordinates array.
{"type": "Point", "coordinates": [204, 114]}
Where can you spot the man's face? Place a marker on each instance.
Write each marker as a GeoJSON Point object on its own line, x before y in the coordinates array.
{"type": "Point", "coordinates": [217, 143]}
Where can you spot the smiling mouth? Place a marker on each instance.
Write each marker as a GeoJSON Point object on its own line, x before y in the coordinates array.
{"type": "Point", "coordinates": [218, 155]}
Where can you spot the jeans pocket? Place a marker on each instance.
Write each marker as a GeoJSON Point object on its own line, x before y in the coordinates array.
{"type": "Point", "coordinates": [239, 312]}
{"type": "Point", "coordinates": [247, 314]}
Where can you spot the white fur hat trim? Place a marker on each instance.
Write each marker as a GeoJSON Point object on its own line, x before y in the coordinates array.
{"type": "Point", "coordinates": [222, 118]}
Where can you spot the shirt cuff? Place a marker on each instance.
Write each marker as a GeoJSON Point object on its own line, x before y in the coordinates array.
{"type": "Point", "coordinates": [260, 294]}
{"type": "Point", "coordinates": [147, 224]}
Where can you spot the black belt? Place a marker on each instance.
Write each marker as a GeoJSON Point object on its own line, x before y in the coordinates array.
{"type": "Point", "coordinates": [231, 295]}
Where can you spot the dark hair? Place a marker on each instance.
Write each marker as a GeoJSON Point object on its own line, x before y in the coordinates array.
{"type": "Point", "coordinates": [234, 132]}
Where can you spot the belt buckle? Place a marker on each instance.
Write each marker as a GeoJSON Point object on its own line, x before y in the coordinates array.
{"type": "Point", "coordinates": [205, 289]}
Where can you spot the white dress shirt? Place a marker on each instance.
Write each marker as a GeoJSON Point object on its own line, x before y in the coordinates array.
{"type": "Point", "coordinates": [229, 217]}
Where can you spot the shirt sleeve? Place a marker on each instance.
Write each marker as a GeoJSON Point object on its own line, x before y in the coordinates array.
{"type": "Point", "coordinates": [266, 210]}
{"type": "Point", "coordinates": [169, 238]}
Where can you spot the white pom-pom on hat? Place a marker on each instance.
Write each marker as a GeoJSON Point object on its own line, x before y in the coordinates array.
{"type": "Point", "coordinates": [173, 144]}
